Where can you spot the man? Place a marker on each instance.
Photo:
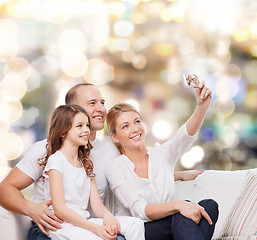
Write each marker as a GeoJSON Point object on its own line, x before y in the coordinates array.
{"type": "Point", "coordinates": [27, 170]}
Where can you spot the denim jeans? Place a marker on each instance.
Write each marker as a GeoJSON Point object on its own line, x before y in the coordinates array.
{"type": "Point", "coordinates": [178, 227]}
{"type": "Point", "coordinates": [36, 234]}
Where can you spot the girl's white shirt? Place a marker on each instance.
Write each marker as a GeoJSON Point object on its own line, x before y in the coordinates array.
{"type": "Point", "coordinates": [76, 183]}
{"type": "Point", "coordinates": [133, 192]}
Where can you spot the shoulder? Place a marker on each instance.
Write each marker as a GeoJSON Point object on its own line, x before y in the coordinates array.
{"type": "Point", "coordinates": [121, 163]}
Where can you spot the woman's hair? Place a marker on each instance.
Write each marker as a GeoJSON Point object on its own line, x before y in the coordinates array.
{"type": "Point", "coordinates": [61, 123]}
{"type": "Point", "coordinates": [112, 117]}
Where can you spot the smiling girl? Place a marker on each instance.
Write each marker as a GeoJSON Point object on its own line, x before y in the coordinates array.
{"type": "Point", "coordinates": [70, 182]}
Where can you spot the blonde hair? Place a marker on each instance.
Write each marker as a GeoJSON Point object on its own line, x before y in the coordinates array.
{"type": "Point", "coordinates": [112, 117]}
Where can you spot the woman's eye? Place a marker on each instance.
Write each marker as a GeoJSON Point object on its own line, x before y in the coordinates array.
{"type": "Point", "coordinates": [125, 126]}
{"type": "Point", "coordinates": [138, 121]}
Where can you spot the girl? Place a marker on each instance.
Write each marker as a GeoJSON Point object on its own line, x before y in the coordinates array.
{"type": "Point", "coordinates": [68, 172]}
{"type": "Point", "coordinates": [142, 178]}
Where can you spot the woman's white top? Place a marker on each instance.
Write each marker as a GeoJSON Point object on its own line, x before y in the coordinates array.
{"type": "Point", "coordinates": [76, 183]}
{"type": "Point", "coordinates": [135, 192]}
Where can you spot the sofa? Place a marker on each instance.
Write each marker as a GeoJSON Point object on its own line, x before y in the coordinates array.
{"type": "Point", "coordinates": [235, 192]}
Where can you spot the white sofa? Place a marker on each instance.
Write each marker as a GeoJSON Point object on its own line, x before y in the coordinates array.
{"type": "Point", "coordinates": [223, 186]}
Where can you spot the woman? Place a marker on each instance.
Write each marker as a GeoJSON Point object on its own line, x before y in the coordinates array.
{"type": "Point", "coordinates": [142, 178]}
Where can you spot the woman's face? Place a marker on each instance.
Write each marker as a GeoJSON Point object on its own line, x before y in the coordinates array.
{"type": "Point", "coordinates": [130, 132]}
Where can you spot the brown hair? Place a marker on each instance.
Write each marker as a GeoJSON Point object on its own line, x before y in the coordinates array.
{"type": "Point", "coordinates": [61, 122]}
{"type": "Point", "coordinates": [71, 95]}
{"type": "Point", "coordinates": [112, 117]}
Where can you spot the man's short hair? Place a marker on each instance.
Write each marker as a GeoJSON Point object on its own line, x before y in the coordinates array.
{"type": "Point", "coordinates": [71, 95]}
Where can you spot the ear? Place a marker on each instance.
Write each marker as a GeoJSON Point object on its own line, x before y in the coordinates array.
{"type": "Point", "coordinates": [113, 136]}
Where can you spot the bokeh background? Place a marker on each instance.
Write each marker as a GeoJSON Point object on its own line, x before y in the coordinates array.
{"type": "Point", "coordinates": [135, 51]}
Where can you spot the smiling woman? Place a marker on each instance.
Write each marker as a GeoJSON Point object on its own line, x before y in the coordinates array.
{"type": "Point", "coordinates": [143, 178]}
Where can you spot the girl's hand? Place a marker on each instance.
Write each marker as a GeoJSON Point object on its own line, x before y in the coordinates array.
{"type": "Point", "coordinates": [103, 232]}
{"type": "Point", "coordinates": [111, 223]}
{"type": "Point", "coordinates": [203, 94]}
{"type": "Point", "coordinates": [193, 211]}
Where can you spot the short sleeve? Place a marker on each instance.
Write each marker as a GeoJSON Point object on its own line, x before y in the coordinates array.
{"type": "Point", "coordinates": [55, 162]}
{"type": "Point", "coordinates": [29, 163]}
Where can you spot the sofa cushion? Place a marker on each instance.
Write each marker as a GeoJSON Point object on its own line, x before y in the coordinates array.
{"type": "Point", "coordinates": [242, 219]}
{"type": "Point", "coordinates": [222, 186]}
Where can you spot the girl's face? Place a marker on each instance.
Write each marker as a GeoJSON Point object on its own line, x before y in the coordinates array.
{"type": "Point", "coordinates": [130, 132]}
{"type": "Point", "coordinates": [79, 133]}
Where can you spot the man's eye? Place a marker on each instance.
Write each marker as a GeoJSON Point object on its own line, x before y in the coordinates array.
{"type": "Point", "coordinates": [92, 103]}
{"type": "Point", "coordinates": [103, 103]}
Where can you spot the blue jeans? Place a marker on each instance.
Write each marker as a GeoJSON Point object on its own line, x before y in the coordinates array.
{"type": "Point", "coordinates": [178, 227]}
{"type": "Point", "coordinates": [36, 234]}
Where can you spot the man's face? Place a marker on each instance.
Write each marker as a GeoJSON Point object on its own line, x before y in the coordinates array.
{"type": "Point", "coordinates": [90, 98]}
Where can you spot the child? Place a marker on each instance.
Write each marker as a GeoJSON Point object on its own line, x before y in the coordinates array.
{"type": "Point", "coordinates": [70, 182]}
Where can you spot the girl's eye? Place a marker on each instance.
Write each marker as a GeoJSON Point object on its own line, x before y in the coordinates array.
{"type": "Point", "coordinates": [79, 125]}
{"type": "Point", "coordinates": [138, 121]}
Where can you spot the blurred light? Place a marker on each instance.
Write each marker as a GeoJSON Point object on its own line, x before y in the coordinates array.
{"type": "Point", "coordinates": [139, 61]}
{"type": "Point", "coordinates": [186, 46]}
{"type": "Point", "coordinates": [34, 80]}
{"type": "Point", "coordinates": [139, 17]}
{"type": "Point", "coordinates": [4, 169]}
{"type": "Point", "coordinates": [193, 156]}
{"type": "Point", "coordinates": [253, 50]}
{"type": "Point", "coordinates": [179, 107]}
{"type": "Point", "coordinates": [97, 29]}
{"type": "Point", "coordinates": [72, 41]}
{"type": "Point", "coordinates": [10, 111]}
{"type": "Point", "coordinates": [12, 87]}
{"type": "Point", "coordinates": [226, 89]}
{"type": "Point", "coordinates": [207, 134]}
{"type": "Point", "coordinates": [117, 8]}
{"type": "Point", "coordinates": [123, 28]}
{"type": "Point", "coordinates": [162, 129]}
{"type": "Point", "coordinates": [11, 146]}
{"type": "Point", "coordinates": [74, 65]}
{"type": "Point", "coordinates": [119, 44]}
{"type": "Point", "coordinates": [19, 8]}
{"type": "Point", "coordinates": [29, 117]}
{"type": "Point", "coordinates": [227, 108]}
{"type": "Point", "coordinates": [4, 125]}
{"type": "Point", "coordinates": [228, 137]}
{"type": "Point", "coordinates": [99, 72]}
{"type": "Point", "coordinates": [253, 29]}
{"type": "Point", "coordinates": [18, 65]}
{"type": "Point", "coordinates": [142, 43]}
{"type": "Point", "coordinates": [128, 55]}
{"type": "Point", "coordinates": [242, 35]}
{"type": "Point", "coordinates": [175, 12]}
{"type": "Point", "coordinates": [134, 103]}
{"type": "Point", "coordinates": [164, 49]}
{"type": "Point", "coordinates": [251, 99]}
{"type": "Point", "coordinates": [8, 49]}
{"type": "Point", "coordinates": [250, 72]}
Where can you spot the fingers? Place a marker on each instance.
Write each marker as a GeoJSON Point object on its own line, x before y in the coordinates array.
{"type": "Point", "coordinates": [43, 230]}
{"type": "Point", "coordinates": [206, 216]}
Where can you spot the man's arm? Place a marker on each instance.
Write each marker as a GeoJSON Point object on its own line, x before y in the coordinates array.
{"type": "Point", "coordinates": [13, 200]}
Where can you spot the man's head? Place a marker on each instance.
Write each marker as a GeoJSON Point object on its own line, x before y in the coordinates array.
{"type": "Point", "coordinates": [90, 98]}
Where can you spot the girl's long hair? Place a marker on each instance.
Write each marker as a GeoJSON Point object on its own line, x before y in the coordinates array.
{"type": "Point", "coordinates": [61, 123]}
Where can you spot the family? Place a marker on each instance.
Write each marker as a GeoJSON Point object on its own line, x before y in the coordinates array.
{"type": "Point", "coordinates": [71, 171]}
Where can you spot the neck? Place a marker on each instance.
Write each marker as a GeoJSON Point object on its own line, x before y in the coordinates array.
{"type": "Point", "coordinates": [92, 135]}
{"type": "Point", "coordinates": [136, 155]}
{"type": "Point", "coordinates": [69, 151]}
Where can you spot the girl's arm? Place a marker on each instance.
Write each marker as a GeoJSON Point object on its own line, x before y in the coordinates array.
{"type": "Point", "coordinates": [65, 213]}
{"type": "Point", "coordinates": [203, 100]}
{"type": "Point", "coordinates": [101, 211]}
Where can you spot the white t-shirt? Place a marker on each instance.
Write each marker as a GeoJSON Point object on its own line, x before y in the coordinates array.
{"type": "Point", "coordinates": [101, 154]}
{"type": "Point", "coordinates": [133, 192]}
{"type": "Point", "coordinates": [76, 192]}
